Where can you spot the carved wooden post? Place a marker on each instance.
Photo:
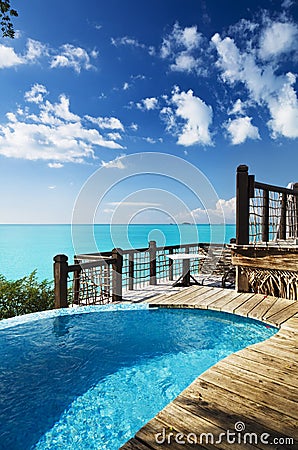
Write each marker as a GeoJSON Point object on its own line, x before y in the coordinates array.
{"type": "Point", "coordinates": [117, 275]}
{"type": "Point", "coordinates": [130, 271]}
{"type": "Point", "coordinates": [60, 279]}
{"type": "Point", "coordinates": [152, 255]}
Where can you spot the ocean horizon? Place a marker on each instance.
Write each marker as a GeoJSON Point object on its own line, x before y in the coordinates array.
{"type": "Point", "coordinates": [28, 247]}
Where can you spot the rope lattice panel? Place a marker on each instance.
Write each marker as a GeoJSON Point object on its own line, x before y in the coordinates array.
{"type": "Point", "coordinates": [269, 209]}
{"type": "Point", "coordinates": [94, 285]}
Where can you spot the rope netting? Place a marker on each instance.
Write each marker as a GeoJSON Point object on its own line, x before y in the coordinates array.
{"type": "Point", "coordinates": [269, 211]}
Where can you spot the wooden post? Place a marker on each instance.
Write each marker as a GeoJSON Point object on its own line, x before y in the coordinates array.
{"type": "Point", "coordinates": [241, 280]}
{"type": "Point", "coordinates": [117, 275]}
{"type": "Point", "coordinates": [265, 216]}
{"type": "Point", "coordinates": [60, 280]}
{"type": "Point", "coordinates": [242, 205]}
{"type": "Point", "coordinates": [76, 284]}
{"type": "Point", "coordinates": [295, 188]}
{"type": "Point", "coordinates": [282, 232]}
{"type": "Point", "coordinates": [186, 269]}
{"type": "Point", "coordinates": [130, 271]}
{"type": "Point", "coordinates": [171, 265]}
{"type": "Point", "coordinates": [152, 255]}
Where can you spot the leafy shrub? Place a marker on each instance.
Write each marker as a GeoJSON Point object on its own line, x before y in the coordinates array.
{"type": "Point", "coordinates": [24, 296]}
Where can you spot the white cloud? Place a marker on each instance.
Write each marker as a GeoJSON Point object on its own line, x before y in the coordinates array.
{"type": "Point", "coordinates": [238, 108]}
{"type": "Point", "coordinates": [287, 3]}
{"type": "Point", "coordinates": [129, 203]}
{"type": "Point", "coordinates": [134, 127]}
{"type": "Point", "coordinates": [36, 94]}
{"type": "Point", "coordinates": [116, 163]}
{"type": "Point", "coordinates": [241, 129]}
{"type": "Point", "coordinates": [223, 208]}
{"type": "Point", "coordinates": [132, 42]}
{"type": "Point", "coordinates": [76, 58]}
{"type": "Point", "coordinates": [184, 63]}
{"type": "Point", "coordinates": [53, 134]}
{"type": "Point", "coordinates": [148, 103]}
{"type": "Point", "coordinates": [114, 136]}
{"type": "Point", "coordinates": [55, 165]}
{"type": "Point", "coordinates": [197, 117]}
{"type": "Point", "coordinates": [52, 187]}
{"type": "Point", "coordinates": [264, 86]}
{"type": "Point", "coordinates": [284, 111]}
{"type": "Point", "coordinates": [9, 58]}
{"type": "Point", "coordinates": [35, 50]}
{"type": "Point", "coordinates": [187, 38]}
{"type": "Point", "coordinates": [278, 38]}
{"type": "Point", "coordinates": [150, 140]}
{"type": "Point", "coordinates": [111, 123]}
{"type": "Point", "coordinates": [182, 46]}
{"type": "Point", "coordinates": [125, 86]}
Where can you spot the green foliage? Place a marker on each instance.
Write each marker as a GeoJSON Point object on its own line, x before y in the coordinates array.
{"type": "Point", "coordinates": [6, 12]}
{"type": "Point", "coordinates": [24, 296]}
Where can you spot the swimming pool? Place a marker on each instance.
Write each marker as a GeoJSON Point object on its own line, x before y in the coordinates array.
{"type": "Point", "coordinates": [90, 378]}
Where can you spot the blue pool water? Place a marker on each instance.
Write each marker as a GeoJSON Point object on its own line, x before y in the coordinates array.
{"type": "Point", "coordinates": [91, 380]}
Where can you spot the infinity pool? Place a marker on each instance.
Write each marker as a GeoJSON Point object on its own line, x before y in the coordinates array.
{"type": "Point", "coordinates": [90, 378]}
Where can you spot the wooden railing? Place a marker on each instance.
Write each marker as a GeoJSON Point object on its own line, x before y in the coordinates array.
{"type": "Point", "coordinates": [264, 213]}
{"type": "Point", "coordinates": [266, 250]}
{"type": "Point", "coordinates": [99, 278]}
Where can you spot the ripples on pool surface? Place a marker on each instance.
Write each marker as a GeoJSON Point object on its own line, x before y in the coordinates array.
{"type": "Point", "coordinates": [90, 381]}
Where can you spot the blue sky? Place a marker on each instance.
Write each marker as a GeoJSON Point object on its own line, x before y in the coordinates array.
{"type": "Point", "coordinates": [84, 87]}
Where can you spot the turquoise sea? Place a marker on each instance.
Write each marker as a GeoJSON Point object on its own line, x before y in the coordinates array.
{"type": "Point", "coordinates": [24, 248]}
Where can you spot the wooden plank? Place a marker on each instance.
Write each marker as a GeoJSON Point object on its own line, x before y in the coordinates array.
{"type": "Point", "coordinates": [165, 298]}
{"type": "Point", "coordinates": [274, 350]}
{"type": "Point", "coordinates": [282, 316]}
{"type": "Point", "coordinates": [134, 444]}
{"type": "Point", "coordinates": [192, 295]}
{"type": "Point", "coordinates": [251, 392]}
{"type": "Point", "coordinates": [214, 409]}
{"type": "Point", "coordinates": [291, 324]}
{"type": "Point", "coordinates": [285, 343]}
{"type": "Point", "coordinates": [270, 258]}
{"type": "Point", "coordinates": [261, 309]}
{"type": "Point", "coordinates": [147, 434]}
{"type": "Point", "coordinates": [246, 307]}
{"type": "Point", "coordinates": [201, 301]}
{"type": "Point", "coordinates": [238, 301]}
{"type": "Point", "coordinates": [182, 419]}
{"type": "Point", "coordinates": [201, 394]}
{"type": "Point", "coordinates": [219, 303]}
{"type": "Point", "coordinates": [280, 375]}
{"type": "Point", "coordinates": [289, 392]}
{"type": "Point", "coordinates": [218, 293]}
{"type": "Point", "coordinates": [290, 346]}
{"type": "Point", "coordinates": [278, 306]}
{"type": "Point", "coordinates": [270, 361]}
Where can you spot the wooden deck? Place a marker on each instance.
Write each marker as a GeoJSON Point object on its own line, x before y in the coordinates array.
{"type": "Point", "coordinates": [255, 388]}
